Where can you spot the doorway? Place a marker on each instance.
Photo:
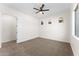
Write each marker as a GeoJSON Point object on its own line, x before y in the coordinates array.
{"type": "Point", "coordinates": [8, 28]}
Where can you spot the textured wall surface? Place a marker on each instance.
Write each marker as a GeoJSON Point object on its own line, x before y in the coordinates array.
{"type": "Point", "coordinates": [56, 31]}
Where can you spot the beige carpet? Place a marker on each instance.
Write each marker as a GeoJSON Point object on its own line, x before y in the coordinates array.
{"type": "Point", "coordinates": [36, 47]}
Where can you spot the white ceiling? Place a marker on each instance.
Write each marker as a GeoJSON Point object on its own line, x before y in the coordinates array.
{"type": "Point", "coordinates": [28, 8]}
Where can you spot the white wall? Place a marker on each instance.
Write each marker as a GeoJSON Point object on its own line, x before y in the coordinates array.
{"type": "Point", "coordinates": [27, 26]}
{"type": "Point", "coordinates": [56, 31]}
{"type": "Point", "coordinates": [75, 46]}
{"type": "Point", "coordinates": [74, 40]}
{"type": "Point", "coordinates": [8, 28]}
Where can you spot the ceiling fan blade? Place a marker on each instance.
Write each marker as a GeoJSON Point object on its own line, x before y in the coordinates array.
{"type": "Point", "coordinates": [35, 8]}
{"type": "Point", "coordinates": [46, 10]}
{"type": "Point", "coordinates": [42, 6]}
{"type": "Point", "coordinates": [37, 12]}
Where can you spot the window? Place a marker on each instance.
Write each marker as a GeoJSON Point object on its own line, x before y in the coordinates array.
{"type": "Point", "coordinates": [77, 20]}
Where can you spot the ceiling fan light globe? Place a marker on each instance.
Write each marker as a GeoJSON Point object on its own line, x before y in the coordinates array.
{"type": "Point", "coordinates": [40, 12]}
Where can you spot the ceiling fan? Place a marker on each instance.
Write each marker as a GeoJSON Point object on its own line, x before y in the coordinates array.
{"type": "Point", "coordinates": [41, 9]}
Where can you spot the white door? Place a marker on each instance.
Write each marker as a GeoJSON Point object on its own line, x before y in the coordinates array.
{"type": "Point", "coordinates": [8, 28]}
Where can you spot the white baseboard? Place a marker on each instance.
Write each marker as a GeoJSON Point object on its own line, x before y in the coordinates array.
{"type": "Point", "coordinates": [6, 41]}
{"type": "Point", "coordinates": [72, 50]}
{"type": "Point", "coordinates": [55, 40]}
{"type": "Point", "coordinates": [27, 39]}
